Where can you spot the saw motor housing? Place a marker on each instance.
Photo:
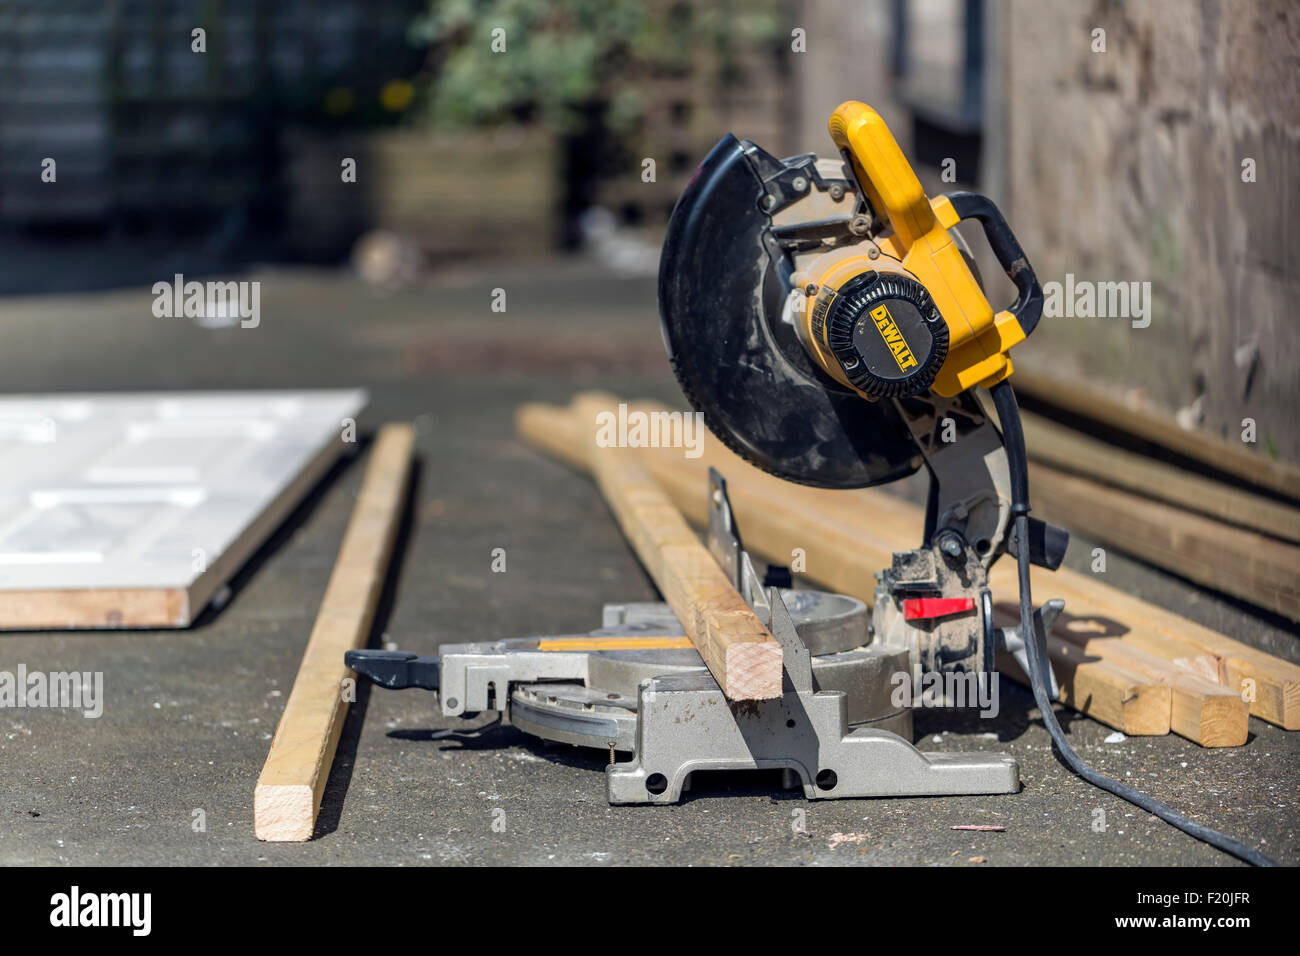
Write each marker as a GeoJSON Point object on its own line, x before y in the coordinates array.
{"type": "Point", "coordinates": [901, 311]}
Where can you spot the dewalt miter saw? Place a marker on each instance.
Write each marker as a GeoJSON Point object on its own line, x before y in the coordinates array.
{"type": "Point", "coordinates": [828, 321]}
{"type": "Point", "coordinates": [829, 326]}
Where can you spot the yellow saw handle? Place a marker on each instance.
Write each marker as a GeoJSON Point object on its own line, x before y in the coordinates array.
{"type": "Point", "coordinates": [918, 236]}
{"type": "Point", "coordinates": [883, 172]}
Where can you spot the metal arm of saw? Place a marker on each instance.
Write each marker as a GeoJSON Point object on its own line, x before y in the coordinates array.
{"type": "Point", "coordinates": [935, 600]}
{"type": "Point", "coordinates": [970, 490]}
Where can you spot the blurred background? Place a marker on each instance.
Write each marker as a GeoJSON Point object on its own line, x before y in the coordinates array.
{"type": "Point", "coordinates": [504, 144]}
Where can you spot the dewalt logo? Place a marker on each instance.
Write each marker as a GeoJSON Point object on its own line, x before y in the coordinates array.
{"type": "Point", "coordinates": [888, 330]}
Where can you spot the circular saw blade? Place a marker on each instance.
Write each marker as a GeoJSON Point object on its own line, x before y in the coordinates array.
{"type": "Point", "coordinates": [723, 282]}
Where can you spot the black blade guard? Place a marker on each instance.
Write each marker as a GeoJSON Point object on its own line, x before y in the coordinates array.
{"type": "Point", "coordinates": [723, 281]}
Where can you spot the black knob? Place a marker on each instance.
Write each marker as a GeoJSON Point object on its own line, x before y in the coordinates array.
{"type": "Point", "coordinates": [887, 334]}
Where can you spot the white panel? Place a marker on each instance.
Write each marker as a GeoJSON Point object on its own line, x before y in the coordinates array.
{"type": "Point", "coordinates": [143, 490]}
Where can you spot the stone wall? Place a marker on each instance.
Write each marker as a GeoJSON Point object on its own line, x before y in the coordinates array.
{"type": "Point", "coordinates": [1127, 165]}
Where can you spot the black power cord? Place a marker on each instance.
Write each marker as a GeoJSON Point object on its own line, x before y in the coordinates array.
{"type": "Point", "coordinates": [1004, 399]}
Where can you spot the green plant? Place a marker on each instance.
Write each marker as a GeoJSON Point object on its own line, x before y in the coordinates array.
{"type": "Point", "coordinates": [567, 59]}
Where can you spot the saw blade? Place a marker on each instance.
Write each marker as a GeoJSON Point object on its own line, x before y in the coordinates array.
{"type": "Point", "coordinates": [723, 284]}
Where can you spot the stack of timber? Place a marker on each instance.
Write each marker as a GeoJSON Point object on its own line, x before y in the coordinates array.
{"type": "Point", "coordinates": [1150, 429]}
{"type": "Point", "coordinates": [1228, 521]}
{"type": "Point", "coordinates": [1130, 664]}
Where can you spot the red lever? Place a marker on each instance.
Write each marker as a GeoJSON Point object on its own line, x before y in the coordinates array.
{"type": "Point", "coordinates": [915, 609]}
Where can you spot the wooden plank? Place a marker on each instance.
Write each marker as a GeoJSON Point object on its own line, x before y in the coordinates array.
{"type": "Point", "coordinates": [1205, 666]}
{"type": "Point", "coordinates": [1110, 693]}
{"type": "Point", "coordinates": [1269, 684]}
{"type": "Point", "coordinates": [1080, 454]}
{"type": "Point", "coordinates": [1162, 431]}
{"type": "Point", "coordinates": [553, 430]}
{"type": "Point", "coordinates": [94, 608]}
{"type": "Point", "coordinates": [844, 537]}
{"type": "Point", "coordinates": [1245, 564]}
{"type": "Point", "coordinates": [736, 646]}
{"type": "Point", "coordinates": [289, 789]}
{"type": "Point", "coordinates": [1204, 711]}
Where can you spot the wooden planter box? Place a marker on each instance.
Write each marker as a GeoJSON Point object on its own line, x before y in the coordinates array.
{"type": "Point", "coordinates": [464, 194]}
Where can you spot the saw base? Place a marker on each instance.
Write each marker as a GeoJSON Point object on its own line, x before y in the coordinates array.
{"type": "Point", "coordinates": [632, 687]}
{"type": "Point", "coordinates": [805, 734]}
{"type": "Point", "coordinates": [584, 689]}
{"type": "Point", "coordinates": [605, 711]}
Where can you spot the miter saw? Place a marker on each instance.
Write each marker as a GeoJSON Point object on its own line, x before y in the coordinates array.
{"type": "Point", "coordinates": [827, 319]}
{"type": "Point", "coordinates": [831, 329]}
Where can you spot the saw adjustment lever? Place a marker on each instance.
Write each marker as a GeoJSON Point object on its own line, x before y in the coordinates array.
{"type": "Point", "coordinates": [395, 670]}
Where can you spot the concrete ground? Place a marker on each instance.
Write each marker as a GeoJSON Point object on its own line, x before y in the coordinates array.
{"type": "Point", "coordinates": [189, 714]}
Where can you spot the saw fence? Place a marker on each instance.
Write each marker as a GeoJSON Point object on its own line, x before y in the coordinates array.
{"type": "Point", "coordinates": [1130, 664]}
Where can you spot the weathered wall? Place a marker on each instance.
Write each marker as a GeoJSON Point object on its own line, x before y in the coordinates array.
{"type": "Point", "coordinates": [1127, 165]}
{"type": "Point", "coordinates": [847, 58]}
